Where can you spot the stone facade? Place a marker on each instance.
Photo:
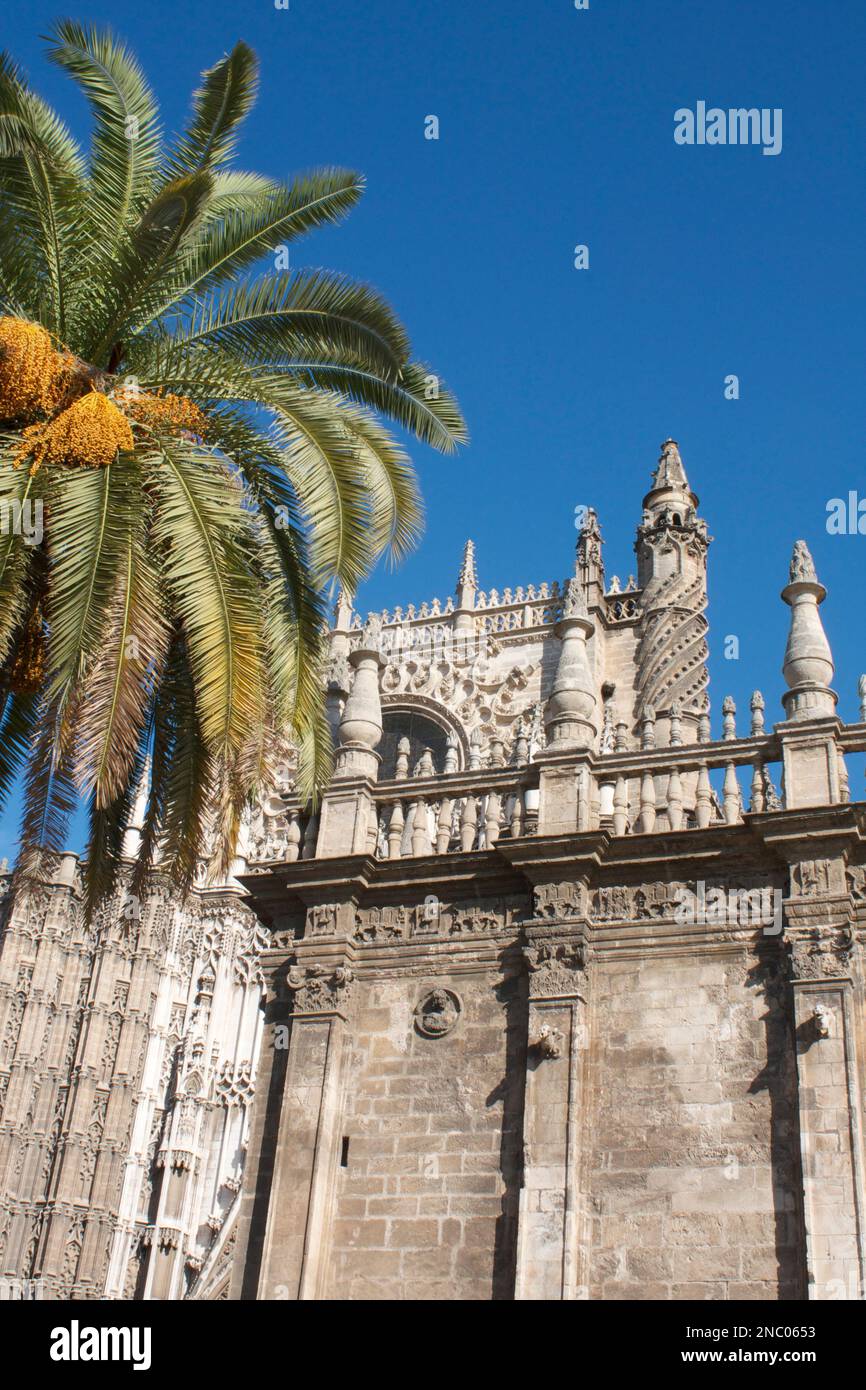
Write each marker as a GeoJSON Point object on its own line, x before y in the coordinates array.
{"type": "Point", "coordinates": [127, 1060]}
{"type": "Point", "coordinates": [563, 992]}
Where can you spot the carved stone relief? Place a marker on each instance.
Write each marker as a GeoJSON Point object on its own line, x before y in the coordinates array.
{"type": "Point", "coordinates": [437, 1013]}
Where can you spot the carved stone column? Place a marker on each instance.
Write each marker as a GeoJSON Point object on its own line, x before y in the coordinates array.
{"type": "Point", "coordinates": [823, 972]}
{"type": "Point", "coordinates": [568, 714]}
{"type": "Point", "coordinates": [309, 1130]}
{"type": "Point", "coordinates": [347, 807]}
{"type": "Point", "coordinates": [552, 1242]}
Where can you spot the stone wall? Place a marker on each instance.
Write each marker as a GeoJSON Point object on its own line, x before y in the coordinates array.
{"type": "Point", "coordinates": [695, 1169]}
{"type": "Point", "coordinates": [425, 1207]}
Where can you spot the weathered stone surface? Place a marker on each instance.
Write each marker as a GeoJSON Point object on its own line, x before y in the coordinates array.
{"type": "Point", "coordinates": [549, 1014]}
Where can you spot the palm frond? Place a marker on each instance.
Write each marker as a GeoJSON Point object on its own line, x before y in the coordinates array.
{"type": "Point", "coordinates": [124, 157]}
{"type": "Point", "coordinates": [93, 513]}
{"type": "Point", "coordinates": [419, 401]}
{"type": "Point", "coordinates": [181, 779]}
{"type": "Point", "coordinates": [50, 794]}
{"type": "Point", "coordinates": [276, 318]}
{"type": "Point", "coordinates": [227, 94]}
{"type": "Point", "coordinates": [42, 179]}
{"type": "Point", "coordinates": [165, 225]}
{"type": "Point", "coordinates": [18, 718]}
{"type": "Point", "coordinates": [117, 691]}
{"type": "Point", "coordinates": [243, 237]}
{"type": "Point", "coordinates": [199, 517]}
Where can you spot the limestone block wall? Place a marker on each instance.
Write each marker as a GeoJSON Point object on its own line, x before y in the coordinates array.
{"type": "Point", "coordinates": [694, 1172]}
{"type": "Point", "coordinates": [425, 1206]}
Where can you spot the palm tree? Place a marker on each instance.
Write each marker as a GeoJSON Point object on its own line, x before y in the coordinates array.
{"type": "Point", "coordinates": [202, 440]}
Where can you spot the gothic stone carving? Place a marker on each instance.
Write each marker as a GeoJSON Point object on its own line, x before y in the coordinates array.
{"type": "Point", "coordinates": [555, 968]}
{"type": "Point", "coordinates": [559, 900]}
{"type": "Point", "coordinates": [320, 988]}
{"type": "Point", "coordinates": [547, 1042]}
{"type": "Point", "coordinates": [817, 955]}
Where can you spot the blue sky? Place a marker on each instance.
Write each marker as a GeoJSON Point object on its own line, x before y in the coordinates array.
{"type": "Point", "coordinates": [556, 129]}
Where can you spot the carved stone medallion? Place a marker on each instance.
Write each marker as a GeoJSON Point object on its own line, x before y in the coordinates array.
{"type": "Point", "coordinates": [437, 1013]}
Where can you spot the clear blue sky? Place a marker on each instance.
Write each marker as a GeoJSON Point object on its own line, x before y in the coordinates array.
{"type": "Point", "coordinates": [556, 128]}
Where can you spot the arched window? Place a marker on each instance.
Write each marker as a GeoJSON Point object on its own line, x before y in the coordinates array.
{"type": "Point", "coordinates": [421, 731]}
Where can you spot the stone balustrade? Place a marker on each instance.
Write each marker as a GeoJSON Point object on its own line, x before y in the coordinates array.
{"type": "Point", "coordinates": [640, 791]}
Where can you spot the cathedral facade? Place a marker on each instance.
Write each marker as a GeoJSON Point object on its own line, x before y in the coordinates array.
{"type": "Point", "coordinates": [557, 994]}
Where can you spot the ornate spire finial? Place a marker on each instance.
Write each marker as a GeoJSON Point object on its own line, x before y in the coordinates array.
{"type": "Point", "coordinates": [802, 564]}
{"type": "Point", "coordinates": [808, 664]}
{"type": "Point", "coordinates": [574, 602]}
{"type": "Point", "coordinates": [670, 471]}
{"type": "Point", "coordinates": [467, 573]}
{"type": "Point", "coordinates": [343, 609]}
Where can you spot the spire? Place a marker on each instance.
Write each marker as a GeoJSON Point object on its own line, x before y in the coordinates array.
{"type": "Point", "coordinates": [590, 565]}
{"type": "Point", "coordinates": [132, 834]}
{"type": "Point", "coordinates": [670, 471]}
{"type": "Point", "coordinates": [671, 548]}
{"type": "Point", "coordinates": [467, 575]}
{"type": "Point", "coordinates": [467, 584]}
{"type": "Point", "coordinates": [808, 665]}
{"type": "Point", "coordinates": [343, 610]}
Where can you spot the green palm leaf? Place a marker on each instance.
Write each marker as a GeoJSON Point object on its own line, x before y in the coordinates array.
{"type": "Point", "coordinates": [226, 96]}
{"type": "Point", "coordinates": [173, 615]}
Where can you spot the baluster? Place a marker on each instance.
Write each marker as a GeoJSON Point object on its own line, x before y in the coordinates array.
{"type": "Point", "coordinates": [404, 748]}
{"type": "Point", "coordinates": [844, 787]}
{"type": "Point", "coordinates": [497, 753]}
{"type": "Point", "coordinates": [756, 705]}
{"type": "Point", "coordinates": [521, 746]}
{"type": "Point", "coordinates": [311, 835]}
{"type": "Point", "coordinates": [476, 740]}
{"type": "Point", "coordinates": [425, 766]}
{"type": "Point", "coordinates": [517, 816]}
{"type": "Point", "coordinates": [675, 801]}
{"type": "Point", "coordinates": [729, 718]}
{"type": "Point", "coordinates": [647, 804]}
{"type": "Point", "coordinates": [704, 732]}
{"type": "Point", "coordinates": [491, 819]}
{"type": "Point", "coordinates": [531, 803]}
{"type": "Point", "coordinates": [395, 831]}
{"type": "Point", "coordinates": [293, 835]}
{"type": "Point", "coordinates": [420, 835]}
{"type": "Point", "coordinates": [757, 794]}
{"type": "Point", "coordinates": [451, 759]}
{"type": "Point", "coordinates": [676, 725]}
{"type": "Point", "coordinates": [648, 727]}
{"type": "Point", "coordinates": [620, 806]}
{"type": "Point", "coordinates": [443, 826]}
{"type": "Point", "coordinates": [731, 797]}
{"type": "Point", "coordinates": [621, 740]}
{"type": "Point", "coordinates": [704, 799]}
{"type": "Point", "coordinates": [469, 824]}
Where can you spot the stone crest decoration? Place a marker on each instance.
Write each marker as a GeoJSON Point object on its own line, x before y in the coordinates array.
{"type": "Point", "coordinates": [319, 988]}
{"type": "Point", "coordinates": [554, 968]}
{"type": "Point", "coordinates": [438, 1013]}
